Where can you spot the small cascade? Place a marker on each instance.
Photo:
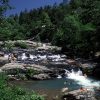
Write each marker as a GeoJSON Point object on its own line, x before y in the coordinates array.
{"type": "Point", "coordinates": [81, 79]}
{"type": "Point", "coordinates": [24, 56]}
{"type": "Point", "coordinates": [37, 57]}
{"type": "Point", "coordinates": [32, 56]}
{"type": "Point", "coordinates": [42, 57]}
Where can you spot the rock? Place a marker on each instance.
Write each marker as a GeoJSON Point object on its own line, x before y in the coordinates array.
{"type": "Point", "coordinates": [51, 48]}
{"type": "Point", "coordinates": [13, 68]}
{"type": "Point", "coordinates": [41, 76]}
{"type": "Point", "coordinates": [68, 97]}
{"type": "Point", "coordinates": [96, 71]}
{"type": "Point", "coordinates": [88, 68]}
{"type": "Point", "coordinates": [21, 71]}
{"type": "Point", "coordinates": [39, 68]}
{"type": "Point", "coordinates": [97, 54]}
{"type": "Point", "coordinates": [25, 67]}
{"type": "Point", "coordinates": [3, 61]}
{"type": "Point", "coordinates": [81, 94]}
{"type": "Point", "coordinates": [64, 90]}
{"type": "Point", "coordinates": [71, 62]}
{"type": "Point", "coordinates": [12, 78]}
{"type": "Point", "coordinates": [1, 54]}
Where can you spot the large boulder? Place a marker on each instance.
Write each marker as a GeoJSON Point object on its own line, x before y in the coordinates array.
{"type": "Point", "coordinates": [3, 61]}
{"type": "Point", "coordinates": [88, 68]}
{"type": "Point", "coordinates": [27, 70]}
{"type": "Point", "coordinates": [13, 68]}
{"type": "Point", "coordinates": [39, 68]}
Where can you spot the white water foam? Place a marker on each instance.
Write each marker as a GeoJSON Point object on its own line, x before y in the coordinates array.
{"type": "Point", "coordinates": [59, 76]}
{"type": "Point", "coordinates": [24, 56]}
{"type": "Point", "coordinates": [42, 57]}
{"type": "Point", "coordinates": [6, 55]}
{"type": "Point", "coordinates": [33, 56]}
{"type": "Point", "coordinates": [82, 79]}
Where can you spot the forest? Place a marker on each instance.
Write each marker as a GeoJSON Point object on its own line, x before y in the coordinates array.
{"type": "Point", "coordinates": [74, 26]}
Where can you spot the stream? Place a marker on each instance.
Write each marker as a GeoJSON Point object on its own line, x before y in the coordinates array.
{"type": "Point", "coordinates": [73, 79]}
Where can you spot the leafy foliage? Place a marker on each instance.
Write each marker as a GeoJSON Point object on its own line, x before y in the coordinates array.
{"type": "Point", "coordinates": [74, 26]}
{"type": "Point", "coordinates": [15, 93]}
{"type": "Point", "coordinates": [21, 45]}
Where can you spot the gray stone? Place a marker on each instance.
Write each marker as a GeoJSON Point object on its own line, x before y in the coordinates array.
{"type": "Point", "coordinates": [3, 61]}
{"type": "Point", "coordinates": [41, 76]}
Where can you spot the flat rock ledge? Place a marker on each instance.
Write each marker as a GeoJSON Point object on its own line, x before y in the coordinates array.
{"type": "Point", "coordinates": [27, 71]}
{"type": "Point", "coordinates": [84, 94]}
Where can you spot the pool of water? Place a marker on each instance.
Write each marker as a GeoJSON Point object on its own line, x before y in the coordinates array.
{"type": "Point", "coordinates": [48, 84]}
{"type": "Point", "coordinates": [52, 88]}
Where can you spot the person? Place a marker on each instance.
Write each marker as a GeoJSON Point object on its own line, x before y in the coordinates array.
{"type": "Point", "coordinates": [83, 89]}
{"type": "Point", "coordinates": [11, 58]}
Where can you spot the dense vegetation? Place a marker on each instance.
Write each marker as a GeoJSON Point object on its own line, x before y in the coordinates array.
{"type": "Point", "coordinates": [74, 26]}
{"type": "Point", "coordinates": [9, 92]}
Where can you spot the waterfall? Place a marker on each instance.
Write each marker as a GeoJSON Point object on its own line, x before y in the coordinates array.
{"type": "Point", "coordinates": [81, 79]}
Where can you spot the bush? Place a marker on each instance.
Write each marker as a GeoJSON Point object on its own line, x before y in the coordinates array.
{"type": "Point", "coordinates": [14, 93]}
{"type": "Point", "coordinates": [7, 45]}
{"type": "Point", "coordinates": [36, 97]}
{"type": "Point", "coordinates": [21, 45]}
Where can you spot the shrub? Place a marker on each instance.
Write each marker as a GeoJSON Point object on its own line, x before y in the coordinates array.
{"type": "Point", "coordinates": [21, 45]}
{"type": "Point", "coordinates": [14, 93]}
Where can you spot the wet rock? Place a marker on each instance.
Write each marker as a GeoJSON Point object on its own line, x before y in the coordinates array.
{"type": "Point", "coordinates": [41, 76]}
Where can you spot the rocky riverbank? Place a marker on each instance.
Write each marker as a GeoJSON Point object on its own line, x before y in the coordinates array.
{"type": "Point", "coordinates": [41, 60]}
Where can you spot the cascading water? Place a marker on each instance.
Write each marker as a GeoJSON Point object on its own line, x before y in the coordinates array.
{"type": "Point", "coordinates": [81, 79]}
{"type": "Point", "coordinates": [74, 78]}
{"type": "Point", "coordinates": [24, 56]}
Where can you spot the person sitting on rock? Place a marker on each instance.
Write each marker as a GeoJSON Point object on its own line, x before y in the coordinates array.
{"type": "Point", "coordinates": [83, 89]}
{"type": "Point", "coordinates": [12, 58]}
